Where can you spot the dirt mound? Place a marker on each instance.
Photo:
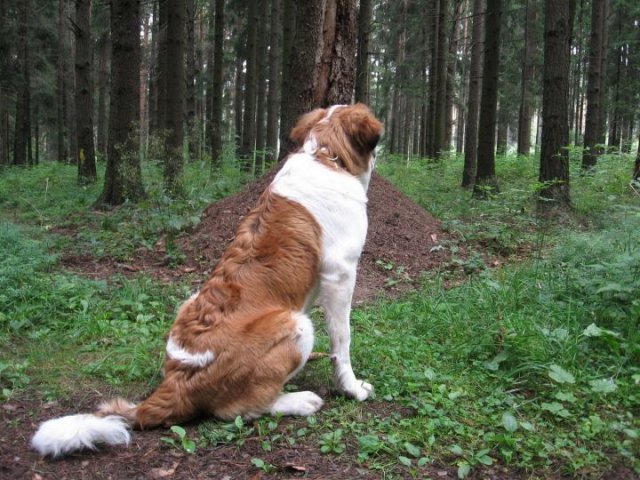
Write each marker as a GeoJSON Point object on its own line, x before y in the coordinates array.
{"type": "Point", "coordinates": [402, 242]}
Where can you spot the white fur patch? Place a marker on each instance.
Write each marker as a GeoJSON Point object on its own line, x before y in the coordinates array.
{"type": "Point", "coordinates": [296, 403]}
{"type": "Point", "coordinates": [199, 360]}
{"type": "Point", "coordinates": [76, 432]}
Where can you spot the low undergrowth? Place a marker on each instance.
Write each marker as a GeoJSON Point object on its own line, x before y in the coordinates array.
{"type": "Point", "coordinates": [532, 367]}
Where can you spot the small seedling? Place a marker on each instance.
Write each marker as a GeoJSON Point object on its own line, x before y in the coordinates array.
{"type": "Point", "coordinates": [183, 442]}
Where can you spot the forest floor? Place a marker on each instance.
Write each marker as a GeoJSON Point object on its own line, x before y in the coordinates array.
{"type": "Point", "coordinates": [405, 244]}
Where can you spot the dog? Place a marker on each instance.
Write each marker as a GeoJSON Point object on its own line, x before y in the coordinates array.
{"type": "Point", "coordinates": [236, 342]}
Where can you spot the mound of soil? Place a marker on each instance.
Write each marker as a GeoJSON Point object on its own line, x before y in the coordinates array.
{"type": "Point", "coordinates": [402, 242]}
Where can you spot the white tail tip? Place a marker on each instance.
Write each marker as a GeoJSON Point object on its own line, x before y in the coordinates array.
{"type": "Point", "coordinates": [76, 432]}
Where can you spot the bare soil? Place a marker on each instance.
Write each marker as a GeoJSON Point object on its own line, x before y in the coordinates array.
{"type": "Point", "coordinates": [403, 242]}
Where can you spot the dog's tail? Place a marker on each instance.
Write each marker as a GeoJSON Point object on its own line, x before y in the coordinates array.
{"type": "Point", "coordinates": [110, 425]}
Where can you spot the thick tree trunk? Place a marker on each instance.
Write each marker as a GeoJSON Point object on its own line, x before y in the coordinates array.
{"type": "Point", "coordinates": [486, 180]}
{"type": "Point", "coordinates": [123, 177]}
{"type": "Point", "coordinates": [362, 59]}
{"type": "Point", "coordinates": [84, 95]}
{"type": "Point", "coordinates": [473, 102]}
{"type": "Point", "coordinates": [174, 110]}
{"type": "Point", "coordinates": [4, 81]}
{"type": "Point", "coordinates": [594, 83]}
{"type": "Point", "coordinates": [217, 84]}
{"type": "Point", "coordinates": [275, 80]}
{"type": "Point", "coordinates": [162, 69]}
{"type": "Point", "coordinates": [299, 84]}
{"type": "Point", "coordinates": [70, 89]}
{"type": "Point", "coordinates": [554, 156]}
{"type": "Point", "coordinates": [526, 110]}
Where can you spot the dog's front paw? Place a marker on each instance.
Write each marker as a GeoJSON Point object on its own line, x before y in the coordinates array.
{"type": "Point", "coordinates": [358, 389]}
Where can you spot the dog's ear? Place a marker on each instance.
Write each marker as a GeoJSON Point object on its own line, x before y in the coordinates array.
{"type": "Point", "coordinates": [304, 125]}
{"type": "Point", "coordinates": [362, 128]}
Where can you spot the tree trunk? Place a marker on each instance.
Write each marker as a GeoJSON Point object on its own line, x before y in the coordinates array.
{"type": "Point", "coordinates": [61, 143]}
{"type": "Point", "coordinates": [526, 110]}
{"type": "Point", "coordinates": [473, 102]}
{"type": "Point", "coordinates": [554, 156]}
{"type": "Point", "coordinates": [262, 77]}
{"type": "Point", "coordinates": [337, 65]}
{"type": "Point", "coordinates": [502, 140]}
{"type": "Point", "coordinates": [123, 176]}
{"type": "Point", "coordinates": [84, 95]}
{"type": "Point", "coordinates": [248, 144]}
{"type": "Point", "coordinates": [104, 50]}
{"type": "Point", "coordinates": [217, 84]}
{"type": "Point", "coordinates": [299, 84]}
{"type": "Point", "coordinates": [174, 110]}
{"type": "Point", "coordinates": [594, 109]}
{"type": "Point", "coordinates": [362, 59]}
{"type": "Point", "coordinates": [191, 76]}
{"type": "Point", "coordinates": [21, 152]}
{"type": "Point", "coordinates": [275, 79]}
{"type": "Point", "coordinates": [70, 89]}
{"type": "Point", "coordinates": [162, 68]}
{"type": "Point", "coordinates": [4, 82]}
{"type": "Point", "coordinates": [440, 117]}
{"type": "Point", "coordinates": [486, 180]}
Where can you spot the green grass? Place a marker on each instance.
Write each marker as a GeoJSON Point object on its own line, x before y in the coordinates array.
{"type": "Point", "coordinates": [534, 365]}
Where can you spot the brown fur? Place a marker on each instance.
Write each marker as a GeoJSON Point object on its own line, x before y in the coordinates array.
{"type": "Point", "coordinates": [244, 315]}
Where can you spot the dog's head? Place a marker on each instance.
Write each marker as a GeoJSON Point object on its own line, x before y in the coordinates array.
{"type": "Point", "coordinates": [342, 135]}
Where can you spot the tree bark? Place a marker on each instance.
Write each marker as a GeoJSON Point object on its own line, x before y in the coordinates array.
{"type": "Point", "coordinates": [123, 176]}
{"type": "Point", "coordinates": [61, 143]}
{"type": "Point", "coordinates": [473, 102]}
{"type": "Point", "coordinates": [554, 156]}
{"type": "Point", "coordinates": [21, 152]}
{"type": "Point", "coordinates": [84, 95]}
{"type": "Point", "coordinates": [594, 109]}
{"type": "Point", "coordinates": [440, 115]}
{"type": "Point", "coordinates": [362, 59]}
{"type": "Point", "coordinates": [261, 88]}
{"type": "Point", "coordinates": [217, 83]}
{"type": "Point", "coordinates": [275, 80]}
{"type": "Point", "coordinates": [104, 50]}
{"type": "Point", "coordinates": [191, 76]}
{"type": "Point", "coordinates": [526, 110]}
{"type": "Point", "coordinates": [4, 82]}
{"type": "Point", "coordinates": [248, 144]}
{"type": "Point", "coordinates": [486, 180]}
{"type": "Point", "coordinates": [300, 84]}
{"type": "Point", "coordinates": [174, 110]}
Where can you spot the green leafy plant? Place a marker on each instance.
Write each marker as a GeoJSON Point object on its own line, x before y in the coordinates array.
{"type": "Point", "coordinates": [183, 442]}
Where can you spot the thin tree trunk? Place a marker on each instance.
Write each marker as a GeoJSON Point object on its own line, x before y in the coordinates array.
{"type": "Point", "coordinates": [162, 70]}
{"type": "Point", "coordinates": [362, 65]}
{"type": "Point", "coordinates": [473, 102]}
{"type": "Point", "coordinates": [217, 83]}
{"type": "Point", "coordinates": [191, 75]}
{"type": "Point", "coordinates": [486, 180]}
{"type": "Point", "coordinates": [61, 143]}
{"type": "Point", "coordinates": [123, 176]}
{"type": "Point", "coordinates": [21, 154]}
{"type": "Point", "coordinates": [262, 77]}
{"type": "Point", "coordinates": [103, 87]}
{"type": "Point", "coordinates": [275, 80]}
{"type": "Point", "coordinates": [440, 118]}
{"type": "Point", "coordinates": [86, 159]}
{"type": "Point", "coordinates": [592, 122]}
{"type": "Point", "coordinates": [248, 145]}
{"type": "Point", "coordinates": [174, 161]}
{"type": "Point", "coordinates": [70, 89]}
{"type": "Point", "coordinates": [554, 156]}
{"type": "Point", "coordinates": [525, 112]}
{"type": "Point", "coordinates": [4, 81]}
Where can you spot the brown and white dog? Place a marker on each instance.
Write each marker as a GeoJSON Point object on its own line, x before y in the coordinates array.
{"type": "Point", "coordinates": [235, 343]}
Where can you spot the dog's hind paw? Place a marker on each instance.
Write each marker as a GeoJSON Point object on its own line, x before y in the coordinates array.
{"type": "Point", "coordinates": [296, 403]}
